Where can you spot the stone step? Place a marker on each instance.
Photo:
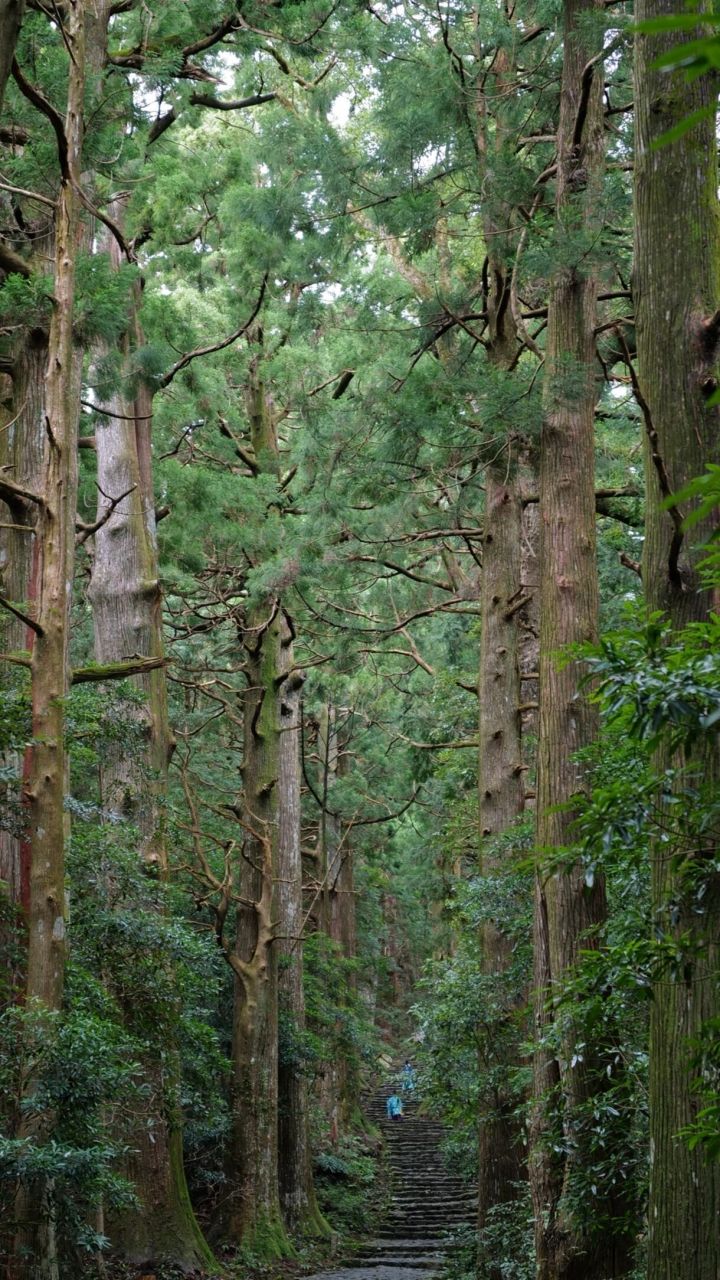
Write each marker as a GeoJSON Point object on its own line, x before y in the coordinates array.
{"type": "Point", "coordinates": [429, 1265]}
{"type": "Point", "coordinates": [412, 1213]}
{"type": "Point", "coordinates": [379, 1244]}
{"type": "Point", "coordinates": [427, 1194]}
{"type": "Point", "coordinates": [460, 1194]}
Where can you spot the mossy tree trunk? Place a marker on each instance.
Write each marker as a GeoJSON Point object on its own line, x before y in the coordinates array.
{"type": "Point", "coordinates": [568, 907]}
{"type": "Point", "coordinates": [677, 293]}
{"type": "Point", "coordinates": [343, 931]}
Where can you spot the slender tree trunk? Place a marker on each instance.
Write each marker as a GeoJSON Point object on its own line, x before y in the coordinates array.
{"type": "Point", "coordinates": [568, 908]}
{"type": "Point", "coordinates": [343, 931]}
{"type": "Point", "coordinates": [127, 616]}
{"type": "Point", "coordinates": [49, 604]}
{"type": "Point", "coordinates": [329, 827]}
{"type": "Point", "coordinates": [677, 293]}
{"type": "Point", "coordinates": [297, 1191]}
{"type": "Point", "coordinates": [329, 839]}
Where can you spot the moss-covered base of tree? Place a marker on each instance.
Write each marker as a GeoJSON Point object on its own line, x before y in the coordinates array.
{"type": "Point", "coordinates": [313, 1226]}
{"type": "Point", "coordinates": [268, 1240]}
{"type": "Point", "coordinates": [192, 1226]}
{"type": "Point", "coordinates": [168, 1234]}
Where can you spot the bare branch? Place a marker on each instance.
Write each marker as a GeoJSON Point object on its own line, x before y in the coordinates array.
{"type": "Point", "coordinates": [12, 263]}
{"type": "Point", "coordinates": [23, 617]}
{"type": "Point", "coordinates": [230, 104]}
{"type": "Point", "coordinates": [126, 417]}
{"type": "Point", "coordinates": [17, 497]}
{"type": "Point", "coordinates": [40, 102]}
{"type": "Point", "coordinates": [136, 665]}
{"type": "Point", "coordinates": [666, 488]}
{"type": "Point", "coordinates": [86, 531]}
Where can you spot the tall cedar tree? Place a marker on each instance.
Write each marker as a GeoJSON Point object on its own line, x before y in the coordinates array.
{"type": "Point", "coordinates": [127, 619]}
{"type": "Point", "coordinates": [49, 602]}
{"type": "Point", "coordinates": [677, 292]}
{"type": "Point", "coordinates": [567, 908]}
{"type": "Point", "coordinates": [297, 1192]}
{"type": "Point", "coordinates": [501, 777]}
{"type": "Point", "coordinates": [255, 1214]}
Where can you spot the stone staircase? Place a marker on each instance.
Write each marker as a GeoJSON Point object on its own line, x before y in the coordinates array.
{"type": "Point", "coordinates": [427, 1202]}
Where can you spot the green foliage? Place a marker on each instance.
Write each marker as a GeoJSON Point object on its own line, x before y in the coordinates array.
{"type": "Point", "coordinates": [666, 681]}
{"type": "Point", "coordinates": [27, 300]}
{"type": "Point", "coordinates": [80, 1064]}
{"type": "Point", "coordinates": [505, 1247]}
{"type": "Point", "coordinates": [704, 1131]}
{"type": "Point", "coordinates": [658, 686]}
{"type": "Point", "coordinates": [103, 294]}
{"type": "Point", "coordinates": [346, 1182]}
{"type": "Point", "coordinates": [339, 1027]}
{"type": "Point", "coordinates": [472, 1021]}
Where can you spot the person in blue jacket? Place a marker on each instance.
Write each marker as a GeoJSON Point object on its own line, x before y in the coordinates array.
{"type": "Point", "coordinates": [408, 1077]}
{"type": "Point", "coordinates": [394, 1107]}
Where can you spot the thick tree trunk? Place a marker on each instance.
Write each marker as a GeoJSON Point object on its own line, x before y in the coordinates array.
{"type": "Point", "coordinates": [11, 16]}
{"type": "Point", "coordinates": [502, 799]}
{"type": "Point", "coordinates": [297, 1191]}
{"type": "Point", "coordinates": [24, 444]}
{"type": "Point", "coordinates": [127, 617]}
{"type": "Point", "coordinates": [505, 606]}
{"type": "Point", "coordinates": [568, 908]}
{"type": "Point", "coordinates": [255, 1219]}
{"type": "Point", "coordinates": [677, 293]}
{"type": "Point", "coordinates": [49, 605]}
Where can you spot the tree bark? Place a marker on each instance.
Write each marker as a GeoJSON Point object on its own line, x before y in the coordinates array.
{"type": "Point", "coordinates": [343, 922]}
{"type": "Point", "coordinates": [568, 908]}
{"type": "Point", "coordinates": [24, 444]}
{"type": "Point", "coordinates": [127, 617]}
{"type": "Point", "coordinates": [297, 1191]}
{"type": "Point", "coordinates": [49, 604]}
{"type": "Point", "coordinates": [11, 16]}
{"type": "Point", "coordinates": [676, 290]}
{"type": "Point", "coordinates": [504, 608]}
{"type": "Point", "coordinates": [502, 799]}
{"type": "Point", "coordinates": [255, 1216]}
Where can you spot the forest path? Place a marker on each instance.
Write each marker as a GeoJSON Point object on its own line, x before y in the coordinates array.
{"type": "Point", "coordinates": [427, 1201]}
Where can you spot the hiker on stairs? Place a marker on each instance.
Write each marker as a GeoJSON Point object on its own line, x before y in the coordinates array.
{"type": "Point", "coordinates": [394, 1107]}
